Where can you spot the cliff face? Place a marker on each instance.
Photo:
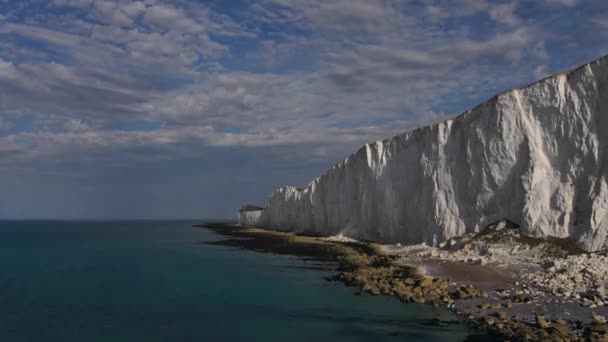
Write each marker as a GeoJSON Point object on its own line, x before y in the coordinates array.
{"type": "Point", "coordinates": [248, 218]}
{"type": "Point", "coordinates": [536, 156]}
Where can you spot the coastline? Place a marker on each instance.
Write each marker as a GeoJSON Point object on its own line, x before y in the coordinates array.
{"type": "Point", "coordinates": [482, 295]}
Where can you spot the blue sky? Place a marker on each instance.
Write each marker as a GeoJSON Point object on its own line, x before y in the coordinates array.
{"type": "Point", "coordinates": [188, 109]}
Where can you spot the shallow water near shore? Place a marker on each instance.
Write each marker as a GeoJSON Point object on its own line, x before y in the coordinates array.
{"type": "Point", "coordinates": [160, 281]}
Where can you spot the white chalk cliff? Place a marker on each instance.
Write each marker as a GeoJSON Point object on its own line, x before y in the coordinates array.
{"type": "Point", "coordinates": [536, 156]}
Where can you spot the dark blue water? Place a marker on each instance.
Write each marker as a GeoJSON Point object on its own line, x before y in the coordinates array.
{"type": "Point", "coordinates": [157, 281]}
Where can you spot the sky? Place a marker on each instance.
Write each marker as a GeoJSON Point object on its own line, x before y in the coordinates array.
{"type": "Point", "coordinates": [190, 109]}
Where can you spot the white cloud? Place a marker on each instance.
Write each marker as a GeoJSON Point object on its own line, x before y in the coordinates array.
{"type": "Point", "coordinates": [77, 125]}
{"type": "Point", "coordinates": [553, 3]}
{"type": "Point", "coordinates": [435, 13]}
{"type": "Point", "coordinates": [7, 68]}
{"type": "Point", "coordinates": [133, 9]}
{"type": "Point", "coordinates": [601, 23]}
{"type": "Point", "coordinates": [74, 3]}
{"type": "Point", "coordinates": [162, 16]}
{"type": "Point", "coordinates": [170, 18]}
{"type": "Point", "coordinates": [276, 85]}
{"type": "Point", "coordinates": [349, 82]}
{"type": "Point", "coordinates": [505, 14]}
{"type": "Point", "coordinates": [362, 70]}
{"type": "Point", "coordinates": [111, 13]}
{"type": "Point", "coordinates": [500, 12]}
{"type": "Point", "coordinates": [509, 45]}
{"type": "Point", "coordinates": [79, 47]}
{"type": "Point", "coordinates": [540, 72]}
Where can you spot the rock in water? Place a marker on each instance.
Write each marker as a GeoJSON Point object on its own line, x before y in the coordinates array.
{"type": "Point", "coordinates": [541, 322]}
{"type": "Point", "coordinates": [535, 156]}
{"type": "Point", "coordinates": [598, 319]}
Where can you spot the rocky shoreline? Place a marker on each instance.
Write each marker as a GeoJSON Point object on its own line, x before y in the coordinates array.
{"type": "Point", "coordinates": [518, 308]}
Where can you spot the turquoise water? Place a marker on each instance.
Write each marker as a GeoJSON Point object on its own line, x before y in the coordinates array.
{"type": "Point", "coordinates": [158, 281]}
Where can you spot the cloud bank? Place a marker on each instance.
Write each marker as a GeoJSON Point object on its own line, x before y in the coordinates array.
{"type": "Point", "coordinates": [233, 100]}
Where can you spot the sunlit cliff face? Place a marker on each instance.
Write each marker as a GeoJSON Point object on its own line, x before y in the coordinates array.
{"type": "Point", "coordinates": [533, 156]}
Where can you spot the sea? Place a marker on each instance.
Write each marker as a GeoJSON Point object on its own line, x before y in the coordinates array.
{"type": "Point", "coordinates": [114, 281]}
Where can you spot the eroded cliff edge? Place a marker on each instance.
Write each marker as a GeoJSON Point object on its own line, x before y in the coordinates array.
{"type": "Point", "coordinates": [535, 156]}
